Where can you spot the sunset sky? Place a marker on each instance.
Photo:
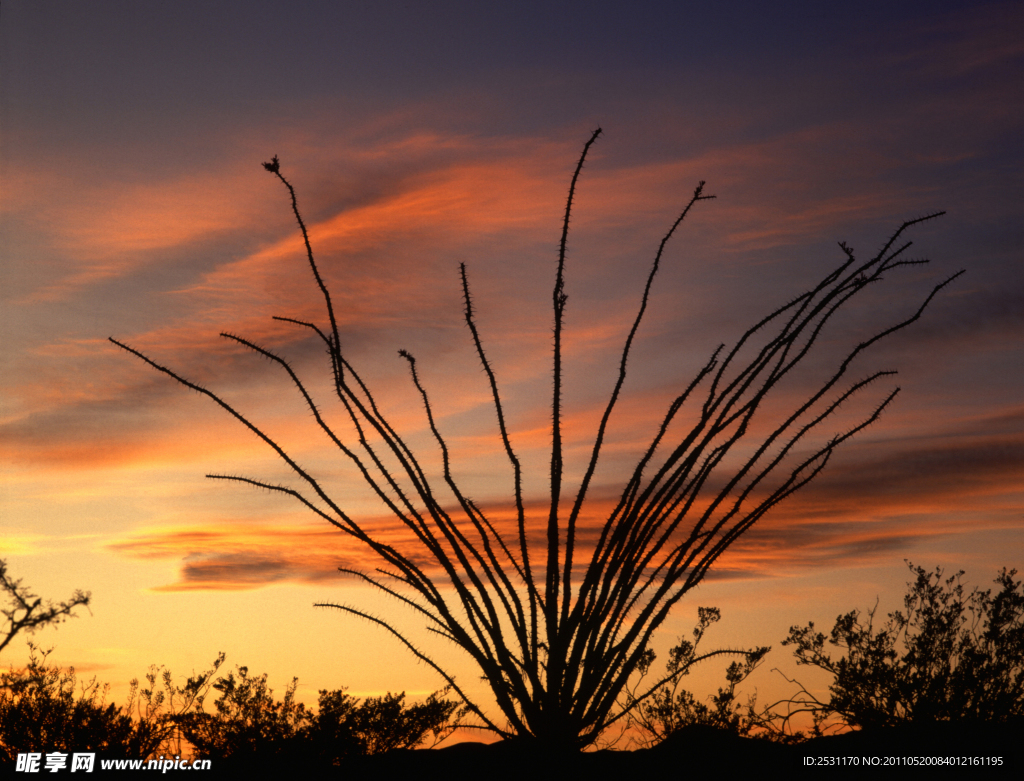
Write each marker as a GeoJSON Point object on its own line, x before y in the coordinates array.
{"type": "Point", "coordinates": [424, 135]}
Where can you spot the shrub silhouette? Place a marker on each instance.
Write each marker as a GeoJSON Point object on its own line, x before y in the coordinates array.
{"type": "Point", "coordinates": [250, 725]}
{"type": "Point", "coordinates": [40, 709]}
{"type": "Point", "coordinates": [558, 632]}
{"type": "Point", "coordinates": [165, 706]}
{"type": "Point", "coordinates": [382, 724]}
{"type": "Point", "coordinates": [950, 656]}
{"type": "Point", "coordinates": [672, 708]}
{"type": "Point", "coordinates": [248, 721]}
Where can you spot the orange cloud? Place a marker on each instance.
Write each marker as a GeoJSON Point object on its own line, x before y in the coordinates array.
{"type": "Point", "coordinates": [111, 229]}
{"type": "Point", "coordinates": [246, 556]}
{"type": "Point", "coordinates": [881, 498]}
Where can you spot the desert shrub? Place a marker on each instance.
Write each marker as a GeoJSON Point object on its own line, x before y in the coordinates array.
{"type": "Point", "coordinates": [248, 720]}
{"type": "Point", "coordinates": [386, 723]}
{"type": "Point", "coordinates": [248, 724]}
{"type": "Point", "coordinates": [164, 705]}
{"type": "Point", "coordinates": [951, 656]}
{"type": "Point", "coordinates": [39, 709]}
{"type": "Point", "coordinates": [332, 735]}
{"type": "Point", "coordinates": [38, 704]}
{"type": "Point", "coordinates": [345, 727]}
{"type": "Point", "coordinates": [667, 708]}
{"type": "Point", "coordinates": [42, 707]}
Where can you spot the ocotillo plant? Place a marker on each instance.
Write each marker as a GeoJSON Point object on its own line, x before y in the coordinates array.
{"type": "Point", "coordinates": [557, 638]}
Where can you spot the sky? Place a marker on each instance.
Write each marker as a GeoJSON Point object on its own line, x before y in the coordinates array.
{"type": "Point", "coordinates": [420, 136]}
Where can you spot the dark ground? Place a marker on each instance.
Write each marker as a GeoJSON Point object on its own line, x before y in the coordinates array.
{"type": "Point", "coordinates": [960, 750]}
{"type": "Point", "coordinates": [966, 751]}
{"type": "Point", "coordinates": [946, 750]}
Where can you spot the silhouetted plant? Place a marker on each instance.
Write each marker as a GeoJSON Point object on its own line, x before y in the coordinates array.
{"type": "Point", "coordinates": [332, 734]}
{"type": "Point", "coordinates": [249, 724]}
{"type": "Point", "coordinates": [557, 639]}
{"type": "Point", "coordinates": [950, 657]}
{"type": "Point", "coordinates": [40, 709]}
{"type": "Point", "coordinates": [26, 612]}
{"type": "Point", "coordinates": [166, 706]}
{"type": "Point", "coordinates": [381, 724]}
{"type": "Point", "coordinates": [671, 708]}
{"type": "Point", "coordinates": [248, 720]}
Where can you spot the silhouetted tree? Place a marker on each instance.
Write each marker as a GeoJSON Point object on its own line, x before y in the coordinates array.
{"type": "Point", "coordinates": [555, 635]}
{"type": "Point", "coordinates": [27, 612]}
{"type": "Point", "coordinates": [950, 657]}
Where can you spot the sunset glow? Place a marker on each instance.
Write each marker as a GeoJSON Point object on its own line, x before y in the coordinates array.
{"type": "Point", "coordinates": [134, 205]}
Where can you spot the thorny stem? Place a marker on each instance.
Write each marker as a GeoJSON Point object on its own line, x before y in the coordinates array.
{"type": "Point", "coordinates": [558, 300]}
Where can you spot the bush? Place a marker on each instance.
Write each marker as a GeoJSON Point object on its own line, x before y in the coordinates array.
{"type": "Point", "coordinates": [382, 724]}
{"type": "Point", "coordinates": [670, 709]}
{"type": "Point", "coordinates": [950, 657]}
{"type": "Point", "coordinates": [250, 725]}
{"type": "Point", "coordinates": [39, 709]}
{"type": "Point", "coordinates": [248, 721]}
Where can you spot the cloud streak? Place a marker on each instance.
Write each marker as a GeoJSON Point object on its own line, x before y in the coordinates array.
{"type": "Point", "coordinates": [884, 497]}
